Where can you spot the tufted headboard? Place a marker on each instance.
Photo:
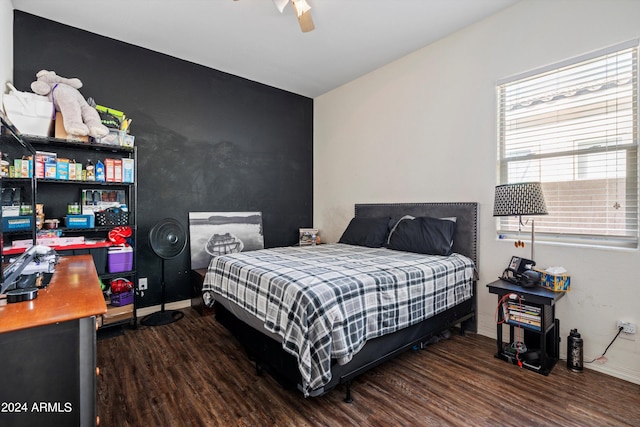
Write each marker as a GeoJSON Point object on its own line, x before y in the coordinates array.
{"type": "Point", "coordinates": [465, 240]}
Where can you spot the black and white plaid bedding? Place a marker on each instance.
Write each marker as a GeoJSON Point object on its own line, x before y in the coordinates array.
{"type": "Point", "coordinates": [326, 301]}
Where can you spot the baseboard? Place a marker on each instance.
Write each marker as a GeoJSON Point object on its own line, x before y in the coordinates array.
{"type": "Point", "coordinates": [176, 305]}
{"type": "Point", "coordinates": [620, 372]}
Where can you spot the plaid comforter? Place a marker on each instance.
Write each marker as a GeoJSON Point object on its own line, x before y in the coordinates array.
{"type": "Point", "coordinates": [326, 301]}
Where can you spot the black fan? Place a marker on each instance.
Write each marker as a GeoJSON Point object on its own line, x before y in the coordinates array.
{"type": "Point", "coordinates": [167, 239]}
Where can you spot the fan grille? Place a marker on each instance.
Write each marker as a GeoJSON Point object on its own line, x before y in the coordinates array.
{"type": "Point", "coordinates": [167, 238]}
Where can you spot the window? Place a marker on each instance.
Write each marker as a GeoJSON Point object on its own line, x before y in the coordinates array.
{"type": "Point", "coordinates": [574, 128]}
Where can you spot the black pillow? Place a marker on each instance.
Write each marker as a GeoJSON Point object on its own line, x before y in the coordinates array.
{"type": "Point", "coordinates": [423, 235]}
{"type": "Point", "coordinates": [369, 232]}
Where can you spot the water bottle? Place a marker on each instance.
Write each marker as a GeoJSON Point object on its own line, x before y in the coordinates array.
{"type": "Point", "coordinates": [575, 351]}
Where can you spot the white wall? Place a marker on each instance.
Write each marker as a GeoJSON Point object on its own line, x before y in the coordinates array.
{"type": "Point", "coordinates": [6, 45]}
{"type": "Point", "coordinates": [423, 128]}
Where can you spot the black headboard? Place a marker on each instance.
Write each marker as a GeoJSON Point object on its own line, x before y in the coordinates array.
{"type": "Point", "coordinates": [465, 240]}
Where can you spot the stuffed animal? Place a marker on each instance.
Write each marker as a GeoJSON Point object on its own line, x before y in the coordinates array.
{"type": "Point", "coordinates": [78, 116]}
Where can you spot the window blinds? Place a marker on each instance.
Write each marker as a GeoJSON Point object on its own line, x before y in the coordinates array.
{"type": "Point", "coordinates": [575, 129]}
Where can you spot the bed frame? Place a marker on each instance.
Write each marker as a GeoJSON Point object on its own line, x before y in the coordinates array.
{"type": "Point", "coordinates": [269, 355]}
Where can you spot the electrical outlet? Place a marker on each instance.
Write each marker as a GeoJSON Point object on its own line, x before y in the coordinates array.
{"type": "Point", "coordinates": [628, 330]}
{"type": "Point", "coordinates": [143, 284]}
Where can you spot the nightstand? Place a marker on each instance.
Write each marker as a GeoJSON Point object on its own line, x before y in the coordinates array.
{"type": "Point", "coordinates": [532, 310]}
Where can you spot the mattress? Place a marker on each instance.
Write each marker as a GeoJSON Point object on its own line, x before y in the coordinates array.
{"type": "Point", "coordinates": [325, 302]}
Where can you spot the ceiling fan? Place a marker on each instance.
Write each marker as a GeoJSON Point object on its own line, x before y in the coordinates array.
{"type": "Point", "coordinates": [303, 13]}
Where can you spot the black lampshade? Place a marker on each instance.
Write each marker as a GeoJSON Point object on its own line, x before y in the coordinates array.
{"type": "Point", "coordinates": [525, 198]}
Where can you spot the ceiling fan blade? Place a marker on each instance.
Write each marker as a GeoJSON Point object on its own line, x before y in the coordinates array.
{"type": "Point", "coordinates": [280, 4]}
{"type": "Point", "coordinates": [304, 15]}
{"type": "Point", "coordinates": [306, 23]}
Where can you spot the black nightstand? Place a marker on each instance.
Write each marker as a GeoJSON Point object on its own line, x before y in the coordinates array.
{"type": "Point", "coordinates": [533, 310]}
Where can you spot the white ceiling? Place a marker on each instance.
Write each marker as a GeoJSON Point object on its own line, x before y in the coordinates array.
{"type": "Point", "coordinates": [251, 39]}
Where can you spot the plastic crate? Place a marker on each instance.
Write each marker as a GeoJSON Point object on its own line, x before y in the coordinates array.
{"type": "Point", "coordinates": [112, 216]}
{"type": "Point", "coordinates": [123, 298]}
{"type": "Point", "coordinates": [17, 223]}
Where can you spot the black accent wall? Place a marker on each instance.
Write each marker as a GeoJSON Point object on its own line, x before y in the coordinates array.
{"type": "Point", "coordinates": [207, 140]}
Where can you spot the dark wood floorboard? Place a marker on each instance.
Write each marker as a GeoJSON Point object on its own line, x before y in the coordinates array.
{"type": "Point", "coordinates": [194, 373]}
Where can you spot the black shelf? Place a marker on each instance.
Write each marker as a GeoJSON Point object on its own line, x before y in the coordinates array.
{"type": "Point", "coordinates": [545, 355]}
{"type": "Point", "coordinates": [57, 143]}
{"type": "Point", "coordinates": [55, 194]}
{"type": "Point", "coordinates": [69, 181]}
{"type": "Point", "coordinates": [100, 228]}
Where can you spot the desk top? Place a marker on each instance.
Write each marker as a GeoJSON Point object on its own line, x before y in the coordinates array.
{"type": "Point", "coordinates": [73, 293]}
{"type": "Point", "coordinates": [536, 294]}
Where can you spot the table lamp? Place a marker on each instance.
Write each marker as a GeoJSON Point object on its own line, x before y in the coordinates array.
{"type": "Point", "coordinates": [525, 198]}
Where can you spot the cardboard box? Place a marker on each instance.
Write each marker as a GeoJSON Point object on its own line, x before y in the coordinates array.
{"type": "Point", "coordinates": [61, 133]}
{"type": "Point", "coordinates": [72, 171]}
{"type": "Point", "coordinates": [127, 170]}
{"type": "Point", "coordinates": [555, 282]}
{"type": "Point", "coordinates": [109, 168]}
{"type": "Point", "coordinates": [62, 169]}
{"type": "Point", "coordinates": [51, 170]}
{"type": "Point", "coordinates": [42, 158]}
{"type": "Point", "coordinates": [117, 170]}
{"type": "Point", "coordinates": [22, 168]}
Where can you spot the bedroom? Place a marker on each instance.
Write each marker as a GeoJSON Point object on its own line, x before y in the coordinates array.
{"type": "Point", "coordinates": [439, 103]}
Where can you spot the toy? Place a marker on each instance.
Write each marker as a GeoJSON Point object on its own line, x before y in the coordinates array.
{"type": "Point", "coordinates": [78, 116]}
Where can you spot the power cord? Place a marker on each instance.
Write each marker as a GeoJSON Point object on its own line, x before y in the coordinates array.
{"type": "Point", "coordinates": [601, 358]}
{"type": "Point", "coordinates": [518, 346]}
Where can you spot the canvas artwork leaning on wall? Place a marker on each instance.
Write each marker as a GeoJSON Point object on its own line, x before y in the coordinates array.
{"type": "Point", "coordinates": [219, 233]}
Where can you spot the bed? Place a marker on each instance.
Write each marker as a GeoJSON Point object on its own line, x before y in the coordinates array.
{"type": "Point", "coordinates": [319, 316]}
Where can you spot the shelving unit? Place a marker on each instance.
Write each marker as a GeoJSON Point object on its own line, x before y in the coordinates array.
{"type": "Point", "coordinates": [532, 310]}
{"type": "Point", "coordinates": [56, 194]}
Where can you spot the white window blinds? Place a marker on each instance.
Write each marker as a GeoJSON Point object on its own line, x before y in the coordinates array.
{"type": "Point", "coordinates": [574, 127]}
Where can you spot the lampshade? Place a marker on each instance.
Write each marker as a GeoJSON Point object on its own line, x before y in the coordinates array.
{"type": "Point", "coordinates": [525, 198]}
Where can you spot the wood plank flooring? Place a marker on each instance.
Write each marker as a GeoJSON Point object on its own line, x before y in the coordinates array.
{"type": "Point", "coordinates": [194, 373]}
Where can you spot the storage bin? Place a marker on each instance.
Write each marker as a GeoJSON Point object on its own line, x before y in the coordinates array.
{"type": "Point", "coordinates": [112, 216]}
{"type": "Point", "coordinates": [123, 298]}
{"type": "Point", "coordinates": [79, 221]}
{"type": "Point", "coordinates": [120, 258]}
{"type": "Point", "coordinates": [17, 223]}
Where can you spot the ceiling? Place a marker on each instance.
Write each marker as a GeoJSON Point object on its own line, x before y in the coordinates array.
{"type": "Point", "coordinates": [251, 39]}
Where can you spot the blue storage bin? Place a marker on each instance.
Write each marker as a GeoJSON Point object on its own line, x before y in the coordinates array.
{"type": "Point", "coordinates": [17, 223]}
{"type": "Point", "coordinates": [80, 221]}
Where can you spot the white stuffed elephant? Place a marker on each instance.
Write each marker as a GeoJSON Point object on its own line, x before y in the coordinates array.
{"type": "Point", "coordinates": [78, 116]}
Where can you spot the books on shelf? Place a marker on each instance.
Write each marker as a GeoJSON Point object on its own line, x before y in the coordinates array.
{"type": "Point", "coordinates": [522, 314]}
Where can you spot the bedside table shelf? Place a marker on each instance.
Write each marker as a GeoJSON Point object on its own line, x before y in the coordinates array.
{"type": "Point", "coordinates": [533, 310]}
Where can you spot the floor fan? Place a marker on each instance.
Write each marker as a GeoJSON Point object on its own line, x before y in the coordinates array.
{"type": "Point", "coordinates": [167, 239]}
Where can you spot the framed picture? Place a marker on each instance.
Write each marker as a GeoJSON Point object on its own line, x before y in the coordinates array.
{"type": "Point", "coordinates": [308, 236]}
{"type": "Point", "coordinates": [219, 233]}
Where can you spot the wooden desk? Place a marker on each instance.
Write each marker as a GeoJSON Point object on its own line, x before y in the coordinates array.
{"type": "Point", "coordinates": [48, 348]}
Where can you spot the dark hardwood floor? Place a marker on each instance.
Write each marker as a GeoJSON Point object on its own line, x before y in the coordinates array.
{"type": "Point", "coordinates": [194, 373]}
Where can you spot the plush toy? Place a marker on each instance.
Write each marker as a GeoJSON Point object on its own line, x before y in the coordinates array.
{"type": "Point", "coordinates": [78, 116]}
